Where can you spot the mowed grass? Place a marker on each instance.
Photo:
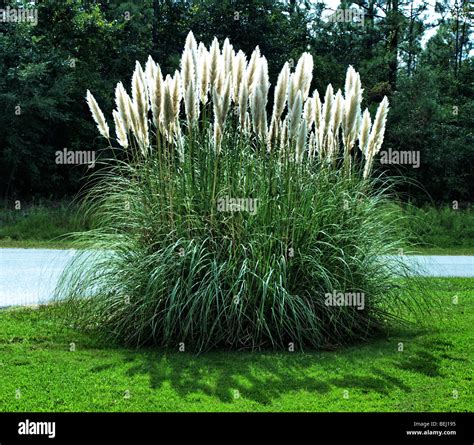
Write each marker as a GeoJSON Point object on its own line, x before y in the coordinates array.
{"type": "Point", "coordinates": [44, 225]}
{"type": "Point", "coordinates": [8, 243]}
{"type": "Point", "coordinates": [462, 251]}
{"type": "Point", "coordinates": [39, 372]}
{"type": "Point", "coordinates": [440, 230]}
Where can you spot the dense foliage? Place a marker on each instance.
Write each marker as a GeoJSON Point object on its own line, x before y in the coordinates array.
{"type": "Point", "coordinates": [222, 225]}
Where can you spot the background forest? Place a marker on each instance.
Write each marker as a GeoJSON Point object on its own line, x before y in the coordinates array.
{"type": "Point", "coordinates": [417, 53]}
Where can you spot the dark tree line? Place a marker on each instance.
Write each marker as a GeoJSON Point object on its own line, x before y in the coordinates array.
{"type": "Point", "coordinates": [46, 68]}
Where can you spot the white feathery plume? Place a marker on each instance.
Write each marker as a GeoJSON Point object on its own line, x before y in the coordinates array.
{"type": "Point", "coordinates": [252, 67]}
{"type": "Point", "coordinates": [327, 108]}
{"type": "Point", "coordinates": [203, 73]}
{"type": "Point", "coordinates": [216, 102]}
{"type": "Point", "coordinates": [358, 92]}
{"type": "Point", "coordinates": [190, 104]}
{"type": "Point", "coordinates": [301, 141]}
{"type": "Point", "coordinates": [292, 90]}
{"type": "Point", "coordinates": [228, 56]}
{"type": "Point", "coordinates": [217, 138]}
{"type": "Point", "coordinates": [364, 132]}
{"type": "Point", "coordinates": [273, 133]}
{"type": "Point", "coordinates": [150, 71]}
{"type": "Point", "coordinates": [304, 74]}
{"type": "Point", "coordinates": [98, 115]}
{"type": "Point", "coordinates": [201, 49]}
{"type": "Point", "coordinates": [226, 97]}
{"type": "Point", "coordinates": [141, 79]}
{"type": "Point", "coordinates": [330, 146]}
{"type": "Point", "coordinates": [238, 72]}
{"type": "Point", "coordinates": [120, 129]}
{"type": "Point", "coordinates": [317, 109]}
{"type": "Point", "coordinates": [191, 42]}
{"type": "Point", "coordinates": [259, 103]}
{"type": "Point", "coordinates": [243, 100]}
{"type": "Point", "coordinates": [187, 68]}
{"type": "Point", "coordinates": [176, 93]}
{"type": "Point", "coordinates": [121, 100]}
{"type": "Point", "coordinates": [137, 127]}
{"type": "Point", "coordinates": [321, 138]}
{"type": "Point", "coordinates": [247, 126]}
{"type": "Point", "coordinates": [221, 104]}
{"type": "Point", "coordinates": [192, 45]}
{"type": "Point", "coordinates": [338, 112]}
{"type": "Point", "coordinates": [351, 118]}
{"type": "Point", "coordinates": [221, 77]}
{"type": "Point", "coordinates": [350, 114]}
{"type": "Point", "coordinates": [376, 135]}
{"type": "Point", "coordinates": [295, 116]}
{"type": "Point", "coordinates": [308, 112]}
{"type": "Point", "coordinates": [167, 111]}
{"type": "Point", "coordinates": [307, 75]}
{"type": "Point", "coordinates": [311, 145]}
{"type": "Point", "coordinates": [262, 77]}
{"type": "Point", "coordinates": [256, 101]}
{"type": "Point", "coordinates": [214, 61]}
{"type": "Point", "coordinates": [262, 80]}
{"type": "Point", "coordinates": [378, 130]}
{"type": "Point", "coordinates": [134, 119]}
{"type": "Point", "coordinates": [352, 108]}
{"type": "Point", "coordinates": [281, 92]}
{"type": "Point", "coordinates": [140, 102]}
{"type": "Point", "coordinates": [284, 134]}
{"type": "Point", "coordinates": [349, 81]}
{"type": "Point", "coordinates": [157, 97]}
{"type": "Point", "coordinates": [298, 74]}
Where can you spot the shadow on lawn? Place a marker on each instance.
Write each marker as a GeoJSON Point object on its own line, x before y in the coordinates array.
{"type": "Point", "coordinates": [426, 360]}
{"type": "Point", "coordinates": [264, 377]}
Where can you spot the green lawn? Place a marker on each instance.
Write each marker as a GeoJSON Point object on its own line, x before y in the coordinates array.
{"type": "Point", "coordinates": [43, 225]}
{"type": "Point", "coordinates": [35, 358]}
{"type": "Point", "coordinates": [34, 244]}
{"type": "Point", "coordinates": [459, 250]}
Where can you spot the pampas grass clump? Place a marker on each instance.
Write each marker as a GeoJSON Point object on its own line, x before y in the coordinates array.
{"type": "Point", "coordinates": [227, 219]}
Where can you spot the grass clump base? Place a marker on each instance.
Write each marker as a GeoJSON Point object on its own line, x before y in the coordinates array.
{"type": "Point", "coordinates": [195, 276]}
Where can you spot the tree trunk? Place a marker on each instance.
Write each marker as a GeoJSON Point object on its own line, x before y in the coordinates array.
{"type": "Point", "coordinates": [410, 40]}
{"type": "Point", "coordinates": [156, 14]}
{"type": "Point", "coordinates": [393, 41]}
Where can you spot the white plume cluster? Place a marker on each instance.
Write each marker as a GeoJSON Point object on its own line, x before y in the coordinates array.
{"type": "Point", "coordinates": [213, 81]}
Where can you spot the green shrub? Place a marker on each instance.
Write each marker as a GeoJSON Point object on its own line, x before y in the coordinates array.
{"type": "Point", "coordinates": [443, 227]}
{"type": "Point", "coordinates": [43, 221]}
{"type": "Point", "coordinates": [178, 262]}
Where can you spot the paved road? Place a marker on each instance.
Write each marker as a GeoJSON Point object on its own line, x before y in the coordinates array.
{"type": "Point", "coordinates": [28, 276]}
{"type": "Point", "coordinates": [442, 266]}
